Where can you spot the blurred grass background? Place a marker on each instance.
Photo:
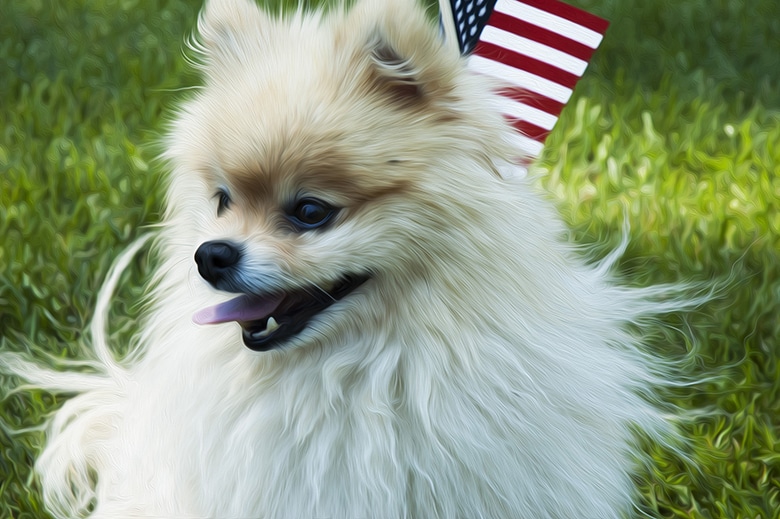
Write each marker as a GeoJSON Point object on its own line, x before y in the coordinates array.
{"type": "Point", "coordinates": [677, 120]}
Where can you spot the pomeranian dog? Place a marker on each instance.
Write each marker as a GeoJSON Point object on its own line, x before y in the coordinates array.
{"type": "Point", "coordinates": [356, 315]}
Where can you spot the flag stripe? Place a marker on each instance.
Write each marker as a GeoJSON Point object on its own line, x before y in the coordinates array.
{"type": "Point", "coordinates": [571, 13]}
{"type": "Point", "coordinates": [512, 169]}
{"type": "Point", "coordinates": [534, 66]}
{"type": "Point", "coordinates": [552, 22]}
{"type": "Point", "coordinates": [520, 78]}
{"type": "Point", "coordinates": [534, 100]}
{"type": "Point", "coordinates": [527, 146]}
{"type": "Point", "coordinates": [533, 49]}
{"type": "Point", "coordinates": [521, 110]}
{"type": "Point", "coordinates": [529, 130]}
{"type": "Point", "coordinates": [534, 32]}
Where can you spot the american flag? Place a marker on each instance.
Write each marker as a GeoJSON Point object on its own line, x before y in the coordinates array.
{"type": "Point", "coordinates": [538, 48]}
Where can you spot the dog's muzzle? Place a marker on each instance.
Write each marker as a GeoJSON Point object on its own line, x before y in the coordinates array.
{"type": "Point", "coordinates": [267, 318]}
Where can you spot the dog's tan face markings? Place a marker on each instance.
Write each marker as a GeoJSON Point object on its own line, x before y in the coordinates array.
{"type": "Point", "coordinates": [299, 115]}
{"type": "Point", "coordinates": [267, 183]}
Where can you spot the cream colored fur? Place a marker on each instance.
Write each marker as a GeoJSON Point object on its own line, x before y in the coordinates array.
{"type": "Point", "coordinates": [486, 370]}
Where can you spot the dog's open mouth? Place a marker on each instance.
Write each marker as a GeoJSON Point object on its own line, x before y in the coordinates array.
{"type": "Point", "coordinates": [268, 320]}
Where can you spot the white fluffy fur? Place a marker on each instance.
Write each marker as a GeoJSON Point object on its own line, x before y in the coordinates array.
{"type": "Point", "coordinates": [485, 371]}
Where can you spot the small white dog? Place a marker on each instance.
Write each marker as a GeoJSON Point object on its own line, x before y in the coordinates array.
{"type": "Point", "coordinates": [383, 326]}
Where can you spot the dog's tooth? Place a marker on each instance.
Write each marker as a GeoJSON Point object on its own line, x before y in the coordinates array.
{"type": "Point", "coordinates": [272, 325]}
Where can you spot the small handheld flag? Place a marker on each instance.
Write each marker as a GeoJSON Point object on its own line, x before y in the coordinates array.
{"type": "Point", "coordinates": [538, 48]}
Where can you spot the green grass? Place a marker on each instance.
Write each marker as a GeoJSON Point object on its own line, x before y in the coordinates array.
{"type": "Point", "coordinates": [676, 124]}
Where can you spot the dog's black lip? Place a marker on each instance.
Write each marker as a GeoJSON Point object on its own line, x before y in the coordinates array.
{"type": "Point", "coordinates": [296, 310]}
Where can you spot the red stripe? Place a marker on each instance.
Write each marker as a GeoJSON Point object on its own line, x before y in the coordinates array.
{"type": "Point", "coordinates": [534, 100]}
{"type": "Point", "coordinates": [519, 61]}
{"type": "Point", "coordinates": [529, 130]}
{"type": "Point", "coordinates": [534, 32]}
{"type": "Point", "coordinates": [571, 13]}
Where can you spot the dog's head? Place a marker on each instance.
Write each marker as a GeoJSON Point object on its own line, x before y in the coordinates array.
{"type": "Point", "coordinates": [326, 155]}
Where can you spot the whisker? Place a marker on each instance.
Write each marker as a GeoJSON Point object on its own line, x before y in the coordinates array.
{"type": "Point", "coordinates": [311, 284]}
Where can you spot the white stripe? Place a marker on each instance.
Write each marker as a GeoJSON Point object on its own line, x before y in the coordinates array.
{"type": "Point", "coordinates": [509, 170]}
{"type": "Point", "coordinates": [520, 78]}
{"type": "Point", "coordinates": [534, 49]}
{"type": "Point", "coordinates": [549, 21]}
{"type": "Point", "coordinates": [524, 112]}
{"type": "Point", "coordinates": [525, 145]}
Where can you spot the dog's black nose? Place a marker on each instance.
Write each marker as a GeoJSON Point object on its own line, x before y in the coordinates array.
{"type": "Point", "coordinates": [216, 259]}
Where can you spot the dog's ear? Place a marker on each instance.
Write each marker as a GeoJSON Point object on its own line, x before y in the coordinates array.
{"type": "Point", "coordinates": [408, 57]}
{"type": "Point", "coordinates": [394, 73]}
{"type": "Point", "coordinates": [223, 22]}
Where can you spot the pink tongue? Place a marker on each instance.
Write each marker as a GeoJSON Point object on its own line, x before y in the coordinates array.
{"type": "Point", "coordinates": [243, 308]}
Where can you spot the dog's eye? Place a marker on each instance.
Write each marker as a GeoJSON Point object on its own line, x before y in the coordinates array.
{"type": "Point", "coordinates": [310, 213]}
{"type": "Point", "coordinates": [223, 201]}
